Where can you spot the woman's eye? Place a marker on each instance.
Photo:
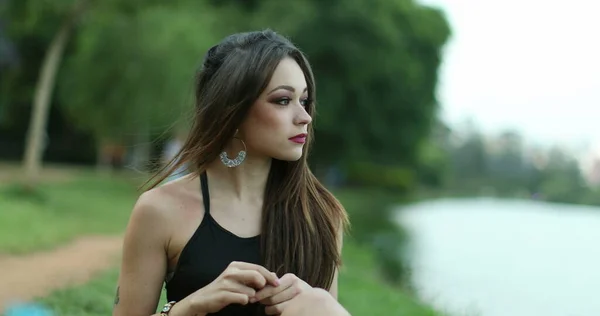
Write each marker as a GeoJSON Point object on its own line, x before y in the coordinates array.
{"type": "Point", "coordinates": [284, 101]}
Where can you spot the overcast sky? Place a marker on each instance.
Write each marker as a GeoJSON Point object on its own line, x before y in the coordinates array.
{"type": "Point", "coordinates": [529, 64]}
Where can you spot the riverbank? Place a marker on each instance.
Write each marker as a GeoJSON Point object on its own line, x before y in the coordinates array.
{"type": "Point", "coordinates": [566, 194]}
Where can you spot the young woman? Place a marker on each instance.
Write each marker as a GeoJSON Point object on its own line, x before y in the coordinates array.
{"type": "Point", "coordinates": [250, 226]}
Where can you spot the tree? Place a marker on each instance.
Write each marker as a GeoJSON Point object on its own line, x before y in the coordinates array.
{"type": "Point", "coordinates": [43, 93]}
{"type": "Point", "coordinates": [130, 68]}
{"type": "Point", "coordinates": [131, 74]}
{"type": "Point", "coordinates": [376, 66]}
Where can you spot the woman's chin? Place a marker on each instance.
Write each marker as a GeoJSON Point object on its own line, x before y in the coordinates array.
{"type": "Point", "coordinates": [290, 156]}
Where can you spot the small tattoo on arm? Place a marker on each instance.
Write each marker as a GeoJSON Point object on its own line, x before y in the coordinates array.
{"type": "Point", "coordinates": [117, 296]}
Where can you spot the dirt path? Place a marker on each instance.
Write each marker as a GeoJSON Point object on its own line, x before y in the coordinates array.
{"type": "Point", "coordinates": [34, 275]}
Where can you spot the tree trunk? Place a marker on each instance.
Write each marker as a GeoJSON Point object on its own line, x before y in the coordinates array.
{"type": "Point", "coordinates": [43, 94]}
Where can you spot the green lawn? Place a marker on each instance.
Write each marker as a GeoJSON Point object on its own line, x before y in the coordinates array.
{"type": "Point", "coordinates": [363, 293]}
{"type": "Point", "coordinates": [94, 205]}
{"type": "Point", "coordinates": [62, 211]}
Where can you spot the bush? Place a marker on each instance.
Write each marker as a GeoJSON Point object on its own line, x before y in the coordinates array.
{"type": "Point", "coordinates": [370, 213]}
{"type": "Point", "coordinates": [394, 179]}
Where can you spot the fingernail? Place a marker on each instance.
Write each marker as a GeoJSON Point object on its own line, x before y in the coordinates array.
{"type": "Point", "coordinates": [252, 299]}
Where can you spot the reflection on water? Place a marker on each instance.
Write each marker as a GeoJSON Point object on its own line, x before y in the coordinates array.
{"type": "Point", "coordinates": [506, 258]}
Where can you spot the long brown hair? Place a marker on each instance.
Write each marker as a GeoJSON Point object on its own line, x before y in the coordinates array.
{"type": "Point", "coordinates": [301, 218]}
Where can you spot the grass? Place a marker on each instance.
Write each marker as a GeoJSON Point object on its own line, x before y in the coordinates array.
{"type": "Point", "coordinates": [363, 292]}
{"type": "Point", "coordinates": [100, 205]}
{"type": "Point", "coordinates": [91, 299]}
{"type": "Point", "coordinates": [62, 211]}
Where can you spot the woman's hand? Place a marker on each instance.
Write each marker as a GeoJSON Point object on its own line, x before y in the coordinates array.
{"type": "Point", "coordinates": [275, 298]}
{"type": "Point", "coordinates": [236, 285]}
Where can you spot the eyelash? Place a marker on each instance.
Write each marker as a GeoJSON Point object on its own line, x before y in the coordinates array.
{"type": "Point", "coordinates": [279, 101]}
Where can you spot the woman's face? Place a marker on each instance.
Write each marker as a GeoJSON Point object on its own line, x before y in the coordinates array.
{"type": "Point", "coordinates": [277, 122]}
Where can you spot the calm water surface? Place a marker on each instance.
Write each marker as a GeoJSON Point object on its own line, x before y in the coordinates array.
{"type": "Point", "coordinates": [506, 258]}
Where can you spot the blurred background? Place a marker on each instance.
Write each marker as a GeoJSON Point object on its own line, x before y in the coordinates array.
{"type": "Point", "coordinates": [461, 136]}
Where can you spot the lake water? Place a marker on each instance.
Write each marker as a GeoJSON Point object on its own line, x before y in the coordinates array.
{"type": "Point", "coordinates": [506, 258]}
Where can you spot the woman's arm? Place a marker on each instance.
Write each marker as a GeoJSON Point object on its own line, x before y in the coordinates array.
{"type": "Point", "coordinates": [144, 266]}
{"type": "Point", "coordinates": [144, 261]}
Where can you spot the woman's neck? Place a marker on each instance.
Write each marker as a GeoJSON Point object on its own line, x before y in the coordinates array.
{"type": "Point", "coordinates": [246, 181]}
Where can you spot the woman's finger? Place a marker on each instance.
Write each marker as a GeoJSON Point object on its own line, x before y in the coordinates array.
{"type": "Point", "coordinates": [282, 296]}
{"type": "Point", "coordinates": [250, 278]}
{"type": "Point", "coordinates": [235, 298]}
{"type": "Point", "coordinates": [268, 291]}
{"type": "Point", "coordinates": [270, 277]}
{"type": "Point", "coordinates": [241, 288]}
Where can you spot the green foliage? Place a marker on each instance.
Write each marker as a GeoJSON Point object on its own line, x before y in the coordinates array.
{"type": "Point", "coordinates": [372, 214]}
{"type": "Point", "coordinates": [376, 68]}
{"type": "Point", "coordinates": [130, 66]}
{"type": "Point", "coordinates": [141, 69]}
{"type": "Point", "coordinates": [432, 169]}
{"type": "Point", "coordinates": [30, 26]}
{"type": "Point", "coordinates": [394, 179]}
{"type": "Point", "coordinates": [39, 18]}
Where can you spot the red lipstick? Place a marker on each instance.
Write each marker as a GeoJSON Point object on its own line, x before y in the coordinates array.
{"type": "Point", "coordinates": [299, 139]}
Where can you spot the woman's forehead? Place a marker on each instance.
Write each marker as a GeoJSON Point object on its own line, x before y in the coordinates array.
{"type": "Point", "coordinates": [288, 73]}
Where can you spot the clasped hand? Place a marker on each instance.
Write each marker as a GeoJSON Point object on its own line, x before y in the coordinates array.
{"type": "Point", "coordinates": [243, 283]}
{"type": "Point", "coordinates": [275, 298]}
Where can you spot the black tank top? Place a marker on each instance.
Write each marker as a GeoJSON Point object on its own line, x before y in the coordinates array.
{"type": "Point", "coordinates": [206, 255]}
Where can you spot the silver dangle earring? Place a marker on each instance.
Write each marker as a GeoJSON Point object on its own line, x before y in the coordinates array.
{"type": "Point", "coordinates": [241, 156]}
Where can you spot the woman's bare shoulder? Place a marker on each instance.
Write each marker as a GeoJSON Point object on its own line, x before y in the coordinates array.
{"type": "Point", "coordinates": [166, 203]}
